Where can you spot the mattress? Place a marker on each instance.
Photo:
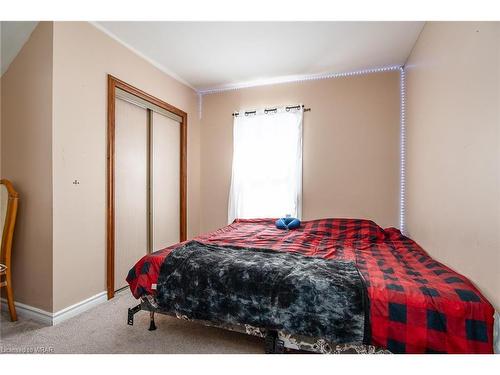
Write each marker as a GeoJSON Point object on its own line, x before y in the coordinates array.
{"type": "Point", "coordinates": [416, 304]}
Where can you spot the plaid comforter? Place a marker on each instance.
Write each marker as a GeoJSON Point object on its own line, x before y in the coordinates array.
{"type": "Point", "coordinates": [417, 305]}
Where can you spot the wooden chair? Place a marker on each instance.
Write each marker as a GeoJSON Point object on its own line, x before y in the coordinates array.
{"type": "Point", "coordinates": [8, 212]}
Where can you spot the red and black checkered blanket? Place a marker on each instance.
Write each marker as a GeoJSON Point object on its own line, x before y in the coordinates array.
{"type": "Point", "coordinates": [417, 305]}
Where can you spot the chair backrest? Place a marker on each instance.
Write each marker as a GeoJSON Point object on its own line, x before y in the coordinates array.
{"type": "Point", "coordinates": [8, 212]}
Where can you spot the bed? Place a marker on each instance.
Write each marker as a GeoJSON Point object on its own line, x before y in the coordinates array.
{"type": "Point", "coordinates": [378, 290]}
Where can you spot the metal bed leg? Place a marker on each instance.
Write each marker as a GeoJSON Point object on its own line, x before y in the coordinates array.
{"type": "Point", "coordinates": [279, 346]}
{"type": "Point", "coordinates": [273, 345]}
{"type": "Point", "coordinates": [152, 325]}
{"type": "Point", "coordinates": [131, 312]}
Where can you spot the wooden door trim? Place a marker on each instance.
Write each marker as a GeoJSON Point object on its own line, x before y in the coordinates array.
{"type": "Point", "coordinates": [113, 84]}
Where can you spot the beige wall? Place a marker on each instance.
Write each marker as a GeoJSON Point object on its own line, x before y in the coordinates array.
{"type": "Point", "coordinates": [351, 146]}
{"type": "Point", "coordinates": [27, 161]}
{"type": "Point", "coordinates": [453, 171]}
{"type": "Point", "coordinates": [83, 56]}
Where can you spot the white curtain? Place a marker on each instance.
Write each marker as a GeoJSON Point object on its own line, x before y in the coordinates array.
{"type": "Point", "coordinates": [266, 178]}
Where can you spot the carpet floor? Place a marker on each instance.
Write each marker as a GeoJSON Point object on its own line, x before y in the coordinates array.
{"type": "Point", "coordinates": [103, 329]}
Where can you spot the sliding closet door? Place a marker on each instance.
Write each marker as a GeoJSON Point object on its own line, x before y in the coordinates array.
{"type": "Point", "coordinates": [131, 187]}
{"type": "Point", "coordinates": [165, 184]}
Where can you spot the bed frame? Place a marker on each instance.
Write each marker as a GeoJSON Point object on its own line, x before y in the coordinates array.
{"type": "Point", "coordinates": [275, 341]}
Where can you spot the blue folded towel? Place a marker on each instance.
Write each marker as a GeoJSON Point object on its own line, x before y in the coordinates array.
{"type": "Point", "coordinates": [287, 223]}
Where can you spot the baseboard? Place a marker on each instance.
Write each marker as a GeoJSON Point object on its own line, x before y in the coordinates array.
{"type": "Point", "coordinates": [29, 312]}
{"type": "Point", "coordinates": [78, 308]}
{"type": "Point", "coordinates": [47, 318]}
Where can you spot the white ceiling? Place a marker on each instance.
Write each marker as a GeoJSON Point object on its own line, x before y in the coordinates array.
{"type": "Point", "coordinates": [210, 55]}
{"type": "Point", "coordinates": [13, 36]}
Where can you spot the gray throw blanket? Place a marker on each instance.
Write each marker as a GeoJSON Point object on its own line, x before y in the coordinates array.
{"type": "Point", "coordinates": [297, 294]}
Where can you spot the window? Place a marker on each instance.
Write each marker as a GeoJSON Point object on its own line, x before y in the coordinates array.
{"type": "Point", "coordinates": [267, 164]}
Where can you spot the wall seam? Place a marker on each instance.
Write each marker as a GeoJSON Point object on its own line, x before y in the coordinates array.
{"type": "Point", "coordinates": [402, 152]}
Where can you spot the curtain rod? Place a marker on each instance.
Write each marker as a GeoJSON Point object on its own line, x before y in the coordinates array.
{"type": "Point", "coordinates": [273, 110]}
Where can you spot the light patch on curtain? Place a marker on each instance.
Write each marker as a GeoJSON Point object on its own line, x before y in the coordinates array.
{"type": "Point", "coordinates": [266, 177]}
